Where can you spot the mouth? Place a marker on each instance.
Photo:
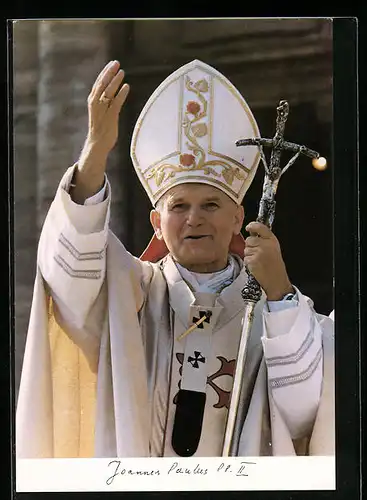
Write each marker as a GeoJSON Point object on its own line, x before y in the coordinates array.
{"type": "Point", "coordinates": [196, 237]}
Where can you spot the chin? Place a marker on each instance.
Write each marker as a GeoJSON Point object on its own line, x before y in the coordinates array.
{"type": "Point", "coordinates": [192, 261]}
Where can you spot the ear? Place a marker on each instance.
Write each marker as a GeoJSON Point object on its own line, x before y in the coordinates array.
{"type": "Point", "coordinates": [239, 218]}
{"type": "Point", "coordinates": [155, 220]}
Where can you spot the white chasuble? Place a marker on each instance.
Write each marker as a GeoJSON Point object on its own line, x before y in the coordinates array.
{"type": "Point", "coordinates": [105, 385]}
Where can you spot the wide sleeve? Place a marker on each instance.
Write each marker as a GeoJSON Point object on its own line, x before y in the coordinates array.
{"type": "Point", "coordinates": [293, 352]}
{"type": "Point", "coordinates": [72, 257]}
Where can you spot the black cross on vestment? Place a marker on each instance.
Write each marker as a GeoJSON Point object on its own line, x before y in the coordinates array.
{"type": "Point", "coordinates": [195, 361]}
{"type": "Point", "coordinates": [201, 315]}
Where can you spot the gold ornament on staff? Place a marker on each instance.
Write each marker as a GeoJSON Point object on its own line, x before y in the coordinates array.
{"type": "Point", "coordinates": [251, 293]}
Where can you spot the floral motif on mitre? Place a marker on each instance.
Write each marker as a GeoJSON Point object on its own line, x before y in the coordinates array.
{"type": "Point", "coordinates": [186, 159]}
{"type": "Point", "coordinates": [193, 107]}
{"type": "Point", "coordinates": [202, 85]}
{"type": "Point", "coordinates": [199, 130]}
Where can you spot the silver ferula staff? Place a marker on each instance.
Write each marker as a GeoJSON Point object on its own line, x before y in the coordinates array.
{"type": "Point", "coordinates": [251, 293]}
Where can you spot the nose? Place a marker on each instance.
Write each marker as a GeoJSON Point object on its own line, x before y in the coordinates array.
{"type": "Point", "coordinates": [194, 217]}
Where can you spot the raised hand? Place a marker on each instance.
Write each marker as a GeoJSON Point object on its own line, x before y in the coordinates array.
{"type": "Point", "coordinates": [105, 101]}
{"type": "Point", "coordinates": [104, 104]}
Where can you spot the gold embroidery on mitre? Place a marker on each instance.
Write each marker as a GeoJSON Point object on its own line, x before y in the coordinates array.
{"type": "Point", "coordinates": [195, 161]}
{"type": "Point", "coordinates": [249, 115]}
{"type": "Point", "coordinates": [200, 130]}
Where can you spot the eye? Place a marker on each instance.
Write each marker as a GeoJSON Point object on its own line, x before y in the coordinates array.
{"type": "Point", "coordinates": [211, 205]}
{"type": "Point", "coordinates": [178, 207]}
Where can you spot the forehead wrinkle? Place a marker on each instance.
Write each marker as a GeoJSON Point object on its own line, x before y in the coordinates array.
{"type": "Point", "coordinates": [213, 198]}
{"type": "Point", "coordinates": [183, 198]}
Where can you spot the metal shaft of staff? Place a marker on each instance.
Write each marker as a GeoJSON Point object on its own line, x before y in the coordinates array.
{"type": "Point", "coordinates": [232, 434]}
{"type": "Point", "coordinates": [252, 292]}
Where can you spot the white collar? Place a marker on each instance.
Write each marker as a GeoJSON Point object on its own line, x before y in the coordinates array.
{"type": "Point", "coordinates": [211, 282]}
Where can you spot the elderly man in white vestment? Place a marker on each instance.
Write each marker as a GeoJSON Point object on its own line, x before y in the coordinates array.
{"type": "Point", "coordinates": [134, 357]}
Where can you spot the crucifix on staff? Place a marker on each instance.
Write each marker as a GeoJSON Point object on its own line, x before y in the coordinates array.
{"type": "Point", "coordinates": [251, 293]}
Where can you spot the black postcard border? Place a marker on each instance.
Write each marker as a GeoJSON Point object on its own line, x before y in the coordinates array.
{"type": "Point", "coordinates": [347, 290]}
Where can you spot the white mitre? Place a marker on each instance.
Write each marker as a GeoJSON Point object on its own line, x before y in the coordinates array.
{"type": "Point", "coordinates": [187, 132]}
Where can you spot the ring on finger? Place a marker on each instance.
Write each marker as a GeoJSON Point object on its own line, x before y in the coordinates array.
{"type": "Point", "coordinates": [105, 100]}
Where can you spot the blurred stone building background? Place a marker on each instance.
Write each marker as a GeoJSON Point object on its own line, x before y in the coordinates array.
{"type": "Point", "coordinates": [54, 66]}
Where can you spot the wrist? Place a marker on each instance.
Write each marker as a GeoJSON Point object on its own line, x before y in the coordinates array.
{"type": "Point", "coordinates": [84, 185]}
{"type": "Point", "coordinates": [280, 293]}
{"type": "Point", "coordinates": [89, 175]}
{"type": "Point", "coordinates": [93, 158]}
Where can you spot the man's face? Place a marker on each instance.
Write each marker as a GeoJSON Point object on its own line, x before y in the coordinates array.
{"type": "Point", "coordinates": [197, 222]}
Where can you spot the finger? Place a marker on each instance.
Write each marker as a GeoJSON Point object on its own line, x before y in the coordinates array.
{"type": "Point", "coordinates": [120, 98]}
{"type": "Point", "coordinates": [248, 262]}
{"type": "Point", "coordinates": [252, 241]}
{"type": "Point", "coordinates": [249, 252]}
{"type": "Point", "coordinates": [105, 80]}
{"type": "Point", "coordinates": [259, 229]}
{"type": "Point", "coordinates": [101, 75]}
{"type": "Point", "coordinates": [115, 83]}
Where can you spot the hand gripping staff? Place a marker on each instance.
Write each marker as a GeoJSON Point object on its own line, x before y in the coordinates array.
{"type": "Point", "coordinates": [251, 293]}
